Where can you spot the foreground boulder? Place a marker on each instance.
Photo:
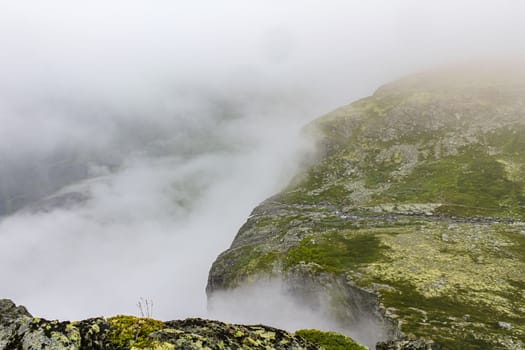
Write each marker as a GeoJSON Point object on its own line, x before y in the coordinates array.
{"type": "Point", "coordinates": [19, 330]}
{"type": "Point", "coordinates": [413, 215]}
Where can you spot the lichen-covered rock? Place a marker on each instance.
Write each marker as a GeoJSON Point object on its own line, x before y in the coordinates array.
{"type": "Point", "coordinates": [20, 331]}
{"type": "Point", "coordinates": [10, 312]}
{"type": "Point", "coordinates": [330, 340]}
{"type": "Point", "coordinates": [11, 318]}
{"type": "Point", "coordinates": [418, 344]}
{"type": "Point", "coordinates": [418, 199]}
{"type": "Point", "coordinates": [204, 334]}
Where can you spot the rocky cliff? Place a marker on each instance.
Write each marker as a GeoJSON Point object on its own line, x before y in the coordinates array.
{"type": "Point", "coordinates": [412, 216]}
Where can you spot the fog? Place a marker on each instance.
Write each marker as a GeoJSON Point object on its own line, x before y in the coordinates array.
{"type": "Point", "coordinates": [137, 136]}
{"type": "Point", "coordinates": [274, 301]}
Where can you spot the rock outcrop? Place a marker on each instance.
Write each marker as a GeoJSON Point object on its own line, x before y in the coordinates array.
{"type": "Point", "coordinates": [414, 213]}
{"type": "Point", "coordinates": [21, 331]}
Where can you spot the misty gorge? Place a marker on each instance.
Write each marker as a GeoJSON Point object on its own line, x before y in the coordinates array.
{"type": "Point", "coordinates": [262, 175]}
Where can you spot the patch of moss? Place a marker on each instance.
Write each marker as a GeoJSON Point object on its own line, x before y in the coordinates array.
{"type": "Point", "coordinates": [317, 185]}
{"type": "Point", "coordinates": [330, 222]}
{"type": "Point", "coordinates": [517, 249]}
{"type": "Point", "coordinates": [251, 260]}
{"type": "Point", "coordinates": [336, 194]}
{"type": "Point", "coordinates": [472, 183]}
{"type": "Point", "coordinates": [377, 173]}
{"type": "Point", "coordinates": [281, 222]}
{"type": "Point", "coordinates": [130, 331]}
{"type": "Point", "coordinates": [330, 340]}
{"type": "Point", "coordinates": [336, 252]}
{"type": "Point", "coordinates": [298, 193]}
{"type": "Point", "coordinates": [510, 139]}
{"type": "Point", "coordinates": [421, 315]}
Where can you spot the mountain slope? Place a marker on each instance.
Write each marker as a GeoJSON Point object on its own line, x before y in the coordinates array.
{"type": "Point", "coordinates": [413, 216]}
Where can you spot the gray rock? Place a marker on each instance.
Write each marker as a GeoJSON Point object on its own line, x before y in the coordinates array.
{"type": "Point", "coordinates": [20, 331]}
{"type": "Point", "coordinates": [419, 344]}
{"type": "Point", "coordinates": [10, 312]}
{"type": "Point", "coordinates": [505, 325]}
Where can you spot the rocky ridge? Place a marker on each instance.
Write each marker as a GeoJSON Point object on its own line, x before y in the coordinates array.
{"type": "Point", "coordinates": [412, 215]}
{"type": "Point", "coordinates": [21, 331]}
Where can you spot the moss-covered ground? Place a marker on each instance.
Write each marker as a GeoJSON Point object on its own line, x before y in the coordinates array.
{"type": "Point", "coordinates": [129, 331]}
{"type": "Point", "coordinates": [335, 251]}
{"type": "Point", "coordinates": [330, 340]}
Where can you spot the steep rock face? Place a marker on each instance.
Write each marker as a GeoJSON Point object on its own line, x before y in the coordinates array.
{"type": "Point", "coordinates": [417, 200]}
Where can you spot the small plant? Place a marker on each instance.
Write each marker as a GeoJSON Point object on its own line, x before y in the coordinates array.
{"type": "Point", "coordinates": [145, 307]}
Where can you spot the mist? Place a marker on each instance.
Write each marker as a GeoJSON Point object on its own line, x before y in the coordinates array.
{"type": "Point", "coordinates": [275, 302]}
{"type": "Point", "coordinates": [137, 136]}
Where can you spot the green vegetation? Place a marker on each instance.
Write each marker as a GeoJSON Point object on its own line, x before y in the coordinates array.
{"type": "Point", "coordinates": [281, 222]}
{"type": "Point", "coordinates": [336, 252]}
{"type": "Point", "coordinates": [472, 183]}
{"type": "Point", "coordinates": [318, 179]}
{"type": "Point", "coordinates": [517, 249]}
{"type": "Point", "coordinates": [423, 315]}
{"type": "Point", "coordinates": [330, 340]}
{"type": "Point", "coordinates": [130, 331]}
{"type": "Point", "coordinates": [250, 260]}
{"type": "Point", "coordinates": [510, 139]}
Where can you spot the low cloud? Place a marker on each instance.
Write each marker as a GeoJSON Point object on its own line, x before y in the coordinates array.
{"type": "Point", "coordinates": [274, 302]}
{"type": "Point", "coordinates": [136, 136]}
